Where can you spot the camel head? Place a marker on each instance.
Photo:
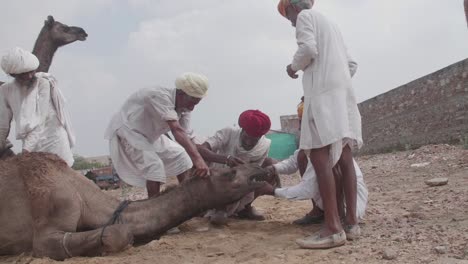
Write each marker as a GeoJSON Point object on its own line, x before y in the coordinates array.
{"type": "Point", "coordinates": [62, 34]}
{"type": "Point", "coordinates": [238, 181]}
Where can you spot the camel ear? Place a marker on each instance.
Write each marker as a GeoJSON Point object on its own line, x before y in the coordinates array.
{"type": "Point", "coordinates": [50, 21]}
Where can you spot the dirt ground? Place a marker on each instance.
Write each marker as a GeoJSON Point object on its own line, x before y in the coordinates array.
{"type": "Point", "coordinates": [406, 222]}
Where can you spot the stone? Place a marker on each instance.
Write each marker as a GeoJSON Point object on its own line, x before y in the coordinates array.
{"type": "Point", "coordinates": [437, 181]}
{"type": "Point", "coordinates": [440, 249]}
{"type": "Point", "coordinates": [420, 165]}
{"type": "Point", "coordinates": [389, 254]}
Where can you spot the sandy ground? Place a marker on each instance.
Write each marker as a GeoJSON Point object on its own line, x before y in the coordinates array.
{"type": "Point", "coordinates": [407, 221]}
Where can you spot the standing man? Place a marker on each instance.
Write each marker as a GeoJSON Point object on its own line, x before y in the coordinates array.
{"type": "Point", "coordinates": [232, 146]}
{"type": "Point", "coordinates": [140, 152]}
{"type": "Point", "coordinates": [37, 105]}
{"type": "Point", "coordinates": [331, 124]}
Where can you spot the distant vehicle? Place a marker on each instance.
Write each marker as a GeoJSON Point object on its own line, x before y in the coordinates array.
{"type": "Point", "coordinates": [108, 182]}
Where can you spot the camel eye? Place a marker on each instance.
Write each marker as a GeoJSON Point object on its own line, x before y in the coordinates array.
{"type": "Point", "coordinates": [66, 29]}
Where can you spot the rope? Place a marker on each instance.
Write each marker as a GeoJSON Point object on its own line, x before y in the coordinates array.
{"type": "Point", "coordinates": [64, 244]}
{"type": "Point", "coordinates": [115, 216]}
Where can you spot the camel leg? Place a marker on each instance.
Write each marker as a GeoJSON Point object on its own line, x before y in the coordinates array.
{"type": "Point", "coordinates": [60, 245]}
{"type": "Point", "coordinates": [56, 214]}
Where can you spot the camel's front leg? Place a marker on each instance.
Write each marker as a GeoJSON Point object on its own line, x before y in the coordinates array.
{"type": "Point", "coordinates": [60, 245]}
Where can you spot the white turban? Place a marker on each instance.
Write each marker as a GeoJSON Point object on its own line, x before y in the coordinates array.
{"type": "Point", "coordinates": [192, 84]}
{"type": "Point", "coordinates": [18, 61]}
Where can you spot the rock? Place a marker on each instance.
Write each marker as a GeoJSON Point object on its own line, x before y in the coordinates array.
{"type": "Point", "coordinates": [440, 249]}
{"type": "Point", "coordinates": [389, 254]}
{"type": "Point", "coordinates": [437, 181]}
{"type": "Point", "coordinates": [420, 165]}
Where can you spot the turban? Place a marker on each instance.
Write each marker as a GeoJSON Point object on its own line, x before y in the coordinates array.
{"type": "Point", "coordinates": [283, 4]}
{"type": "Point", "coordinates": [300, 109]}
{"type": "Point", "coordinates": [18, 61]}
{"type": "Point", "coordinates": [192, 84]}
{"type": "Point", "coordinates": [254, 123]}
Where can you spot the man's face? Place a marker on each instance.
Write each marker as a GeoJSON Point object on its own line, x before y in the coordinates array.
{"type": "Point", "coordinates": [291, 13]}
{"type": "Point", "coordinates": [248, 142]}
{"type": "Point", "coordinates": [185, 103]}
{"type": "Point", "coordinates": [25, 79]}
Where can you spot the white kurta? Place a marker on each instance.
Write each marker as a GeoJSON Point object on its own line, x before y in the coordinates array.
{"type": "Point", "coordinates": [227, 142]}
{"type": "Point", "coordinates": [42, 122]}
{"type": "Point", "coordinates": [330, 107]}
{"type": "Point", "coordinates": [307, 188]}
{"type": "Point", "coordinates": [138, 148]}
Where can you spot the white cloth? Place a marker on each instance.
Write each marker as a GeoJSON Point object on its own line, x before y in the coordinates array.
{"type": "Point", "coordinates": [42, 122]}
{"type": "Point", "coordinates": [195, 85]}
{"type": "Point", "coordinates": [227, 142]}
{"type": "Point", "coordinates": [307, 188]}
{"type": "Point", "coordinates": [18, 61]}
{"type": "Point", "coordinates": [138, 148]}
{"type": "Point", "coordinates": [330, 107]}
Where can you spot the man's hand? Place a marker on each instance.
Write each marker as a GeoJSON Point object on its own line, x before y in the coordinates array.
{"type": "Point", "coordinates": [201, 169]}
{"type": "Point", "coordinates": [232, 161]}
{"type": "Point", "coordinates": [291, 73]}
{"type": "Point", "coordinates": [266, 189]}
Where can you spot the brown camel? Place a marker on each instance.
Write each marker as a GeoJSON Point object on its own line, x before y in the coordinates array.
{"type": "Point", "coordinates": [54, 35]}
{"type": "Point", "coordinates": [53, 211]}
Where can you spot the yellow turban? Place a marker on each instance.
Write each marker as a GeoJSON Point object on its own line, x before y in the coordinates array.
{"type": "Point", "coordinates": [19, 61]}
{"type": "Point", "coordinates": [300, 109]}
{"type": "Point", "coordinates": [195, 85]}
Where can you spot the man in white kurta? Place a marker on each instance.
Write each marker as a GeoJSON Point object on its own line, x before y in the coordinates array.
{"type": "Point", "coordinates": [232, 146]}
{"type": "Point", "coordinates": [37, 105]}
{"type": "Point", "coordinates": [142, 155]}
{"type": "Point", "coordinates": [307, 188]}
{"type": "Point", "coordinates": [331, 123]}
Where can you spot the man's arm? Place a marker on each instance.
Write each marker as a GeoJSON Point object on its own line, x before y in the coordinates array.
{"type": "Point", "coordinates": [5, 121]}
{"type": "Point", "coordinates": [201, 169]}
{"type": "Point", "coordinates": [306, 42]}
{"type": "Point", "coordinates": [210, 156]}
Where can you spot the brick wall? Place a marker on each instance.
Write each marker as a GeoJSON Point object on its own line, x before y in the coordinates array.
{"type": "Point", "coordinates": [431, 109]}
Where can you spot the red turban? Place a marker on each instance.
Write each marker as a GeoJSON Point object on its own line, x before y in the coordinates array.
{"type": "Point", "coordinates": [254, 123]}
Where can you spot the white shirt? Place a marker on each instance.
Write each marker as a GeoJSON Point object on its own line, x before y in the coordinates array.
{"type": "Point", "coordinates": [42, 122]}
{"type": "Point", "coordinates": [227, 142]}
{"type": "Point", "coordinates": [143, 117]}
{"type": "Point", "coordinates": [330, 107]}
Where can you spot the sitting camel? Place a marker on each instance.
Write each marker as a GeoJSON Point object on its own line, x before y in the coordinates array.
{"type": "Point", "coordinates": [53, 211]}
{"type": "Point", "coordinates": [54, 35]}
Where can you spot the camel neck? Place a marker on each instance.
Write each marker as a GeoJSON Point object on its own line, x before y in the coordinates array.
{"type": "Point", "coordinates": [151, 218]}
{"type": "Point", "coordinates": [44, 49]}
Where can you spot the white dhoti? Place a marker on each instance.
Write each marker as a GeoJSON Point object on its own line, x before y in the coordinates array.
{"type": "Point", "coordinates": [135, 166]}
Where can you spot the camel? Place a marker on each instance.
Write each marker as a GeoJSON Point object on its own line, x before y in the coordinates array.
{"type": "Point", "coordinates": [54, 35]}
{"type": "Point", "coordinates": [53, 211]}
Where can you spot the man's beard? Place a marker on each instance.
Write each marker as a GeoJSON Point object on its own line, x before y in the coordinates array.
{"type": "Point", "coordinates": [28, 83]}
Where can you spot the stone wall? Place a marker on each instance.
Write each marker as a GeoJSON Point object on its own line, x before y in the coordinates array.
{"type": "Point", "coordinates": [431, 109]}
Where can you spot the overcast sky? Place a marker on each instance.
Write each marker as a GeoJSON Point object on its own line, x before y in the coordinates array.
{"type": "Point", "coordinates": [242, 46]}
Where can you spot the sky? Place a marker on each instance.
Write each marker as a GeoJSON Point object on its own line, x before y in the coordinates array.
{"type": "Point", "coordinates": [242, 46]}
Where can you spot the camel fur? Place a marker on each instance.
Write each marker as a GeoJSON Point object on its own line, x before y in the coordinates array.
{"type": "Point", "coordinates": [53, 211]}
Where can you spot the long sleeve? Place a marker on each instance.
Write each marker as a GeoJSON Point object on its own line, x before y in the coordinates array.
{"type": "Point", "coordinates": [306, 42]}
{"type": "Point", "coordinates": [287, 166]}
{"type": "Point", "coordinates": [304, 190]}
